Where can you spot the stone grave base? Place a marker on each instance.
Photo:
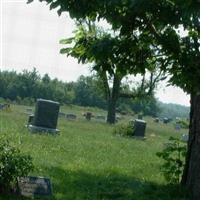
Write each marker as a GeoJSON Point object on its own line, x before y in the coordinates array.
{"type": "Point", "coordinates": [39, 129]}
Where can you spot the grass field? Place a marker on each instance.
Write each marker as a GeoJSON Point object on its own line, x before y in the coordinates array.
{"type": "Point", "coordinates": [87, 162]}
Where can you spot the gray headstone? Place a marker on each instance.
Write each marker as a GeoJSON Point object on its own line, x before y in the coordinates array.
{"type": "Point", "coordinates": [71, 116]}
{"type": "Point", "coordinates": [156, 120]}
{"type": "Point", "coordinates": [166, 120]}
{"type": "Point", "coordinates": [37, 187]}
{"type": "Point", "coordinates": [139, 128]}
{"type": "Point", "coordinates": [185, 137]}
{"type": "Point", "coordinates": [177, 126]}
{"type": "Point", "coordinates": [46, 114]}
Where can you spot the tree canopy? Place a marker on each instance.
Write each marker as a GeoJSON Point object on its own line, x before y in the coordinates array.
{"type": "Point", "coordinates": [160, 21]}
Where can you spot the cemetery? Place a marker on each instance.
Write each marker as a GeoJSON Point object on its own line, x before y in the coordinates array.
{"type": "Point", "coordinates": [86, 161]}
{"type": "Point", "coordinates": [127, 127]}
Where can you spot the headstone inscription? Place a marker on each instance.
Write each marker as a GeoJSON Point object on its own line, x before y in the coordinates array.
{"type": "Point", "coordinates": [37, 187]}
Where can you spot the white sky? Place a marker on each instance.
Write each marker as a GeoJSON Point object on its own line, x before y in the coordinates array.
{"type": "Point", "coordinates": [30, 35]}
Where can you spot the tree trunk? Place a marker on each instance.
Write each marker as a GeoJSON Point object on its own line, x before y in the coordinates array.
{"type": "Point", "coordinates": [112, 99]}
{"type": "Point", "coordinates": [191, 174]}
{"type": "Point", "coordinates": [111, 111]}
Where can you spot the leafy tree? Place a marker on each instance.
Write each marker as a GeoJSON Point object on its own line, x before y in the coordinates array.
{"type": "Point", "coordinates": [88, 93]}
{"type": "Point", "coordinates": [106, 53]}
{"type": "Point", "coordinates": [160, 20]}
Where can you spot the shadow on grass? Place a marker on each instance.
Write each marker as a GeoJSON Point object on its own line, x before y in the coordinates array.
{"type": "Point", "coordinates": [79, 185]}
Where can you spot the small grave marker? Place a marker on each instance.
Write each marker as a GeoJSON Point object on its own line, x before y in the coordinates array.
{"type": "Point", "coordinates": [156, 120]}
{"type": "Point", "coordinates": [88, 115]}
{"type": "Point", "coordinates": [71, 116]}
{"type": "Point", "coordinates": [166, 120]}
{"type": "Point", "coordinates": [38, 187]}
{"type": "Point", "coordinates": [185, 137]}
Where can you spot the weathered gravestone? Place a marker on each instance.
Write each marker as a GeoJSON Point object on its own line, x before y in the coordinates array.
{"type": "Point", "coordinates": [35, 187]}
{"type": "Point", "coordinates": [185, 137]}
{"type": "Point", "coordinates": [5, 107]}
{"type": "Point", "coordinates": [71, 116]}
{"type": "Point", "coordinates": [139, 128]}
{"type": "Point", "coordinates": [88, 115]}
{"type": "Point", "coordinates": [166, 120]}
{"type": "Point", "coordinates": [45, 117]}
{"type": "Point", "coordinates": [177, 126]}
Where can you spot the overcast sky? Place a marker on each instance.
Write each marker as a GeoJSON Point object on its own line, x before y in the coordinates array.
{"type": "Point", "coordinates": [30, 37]}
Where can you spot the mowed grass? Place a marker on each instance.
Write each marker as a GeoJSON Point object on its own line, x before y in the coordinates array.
{"type": "Point", "coordinates": [87, 162]}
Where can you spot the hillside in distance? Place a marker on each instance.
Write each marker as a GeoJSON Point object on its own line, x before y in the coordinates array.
{"type": "Point", "coordinates": [172, 110]}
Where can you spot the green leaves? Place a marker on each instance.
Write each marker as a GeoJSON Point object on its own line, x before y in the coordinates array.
{"type": "Point", "coordinates": [174, 158]}
{"type": "Point", "coordinates": [67, 40]}
{"type": "Point", "coordinates": [65, 51]}
{"type": "Point", "coordinates": [13, 164]}
{"type": "Point", "coordinates": [29, 1]}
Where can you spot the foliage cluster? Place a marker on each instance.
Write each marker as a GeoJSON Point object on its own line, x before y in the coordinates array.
{"type": "Point", "coordinates": [174, 159]}
{"type": "Point", "coordinates": [123, 130]}
{"type": "Point", "coordinates": [24, 88]}
{"type": "Point", "coordinates": [13, 164]}
{"type": "Point", "coordinates": [173, 110]}
{"type": "Point", "coordinates": [183, 124]}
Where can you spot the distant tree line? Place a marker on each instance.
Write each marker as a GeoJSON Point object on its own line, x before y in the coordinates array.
{"type": "Point", "coordinates": [173, 110]}
{"type": "Point", "coordinates": [27, 86]}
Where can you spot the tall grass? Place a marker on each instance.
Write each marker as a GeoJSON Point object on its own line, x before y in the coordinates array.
{"type": "Point", "coordinates": [86, 161]}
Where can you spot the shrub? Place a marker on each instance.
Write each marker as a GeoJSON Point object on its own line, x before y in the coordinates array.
{"type": "Point", "coordinates": [184, 124]}
{"type": "Point", "coordinates": [13, 164]}
{"type": "Point", "coordinates": [123, 130]}
{"type": "Point", "coordinates": [174, 159]}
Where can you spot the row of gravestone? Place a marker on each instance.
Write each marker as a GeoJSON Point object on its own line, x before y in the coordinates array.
{"type": "Point", "coordinates": [165, 120]}
{"type": "Point", "coordinates": [177, 123]}
{"type": "Point", "coordinates": [5, 106]}
{"type": "Point", "coordinates": [46, 116]}
{"type": "Point", "coordinates": [45, 119]}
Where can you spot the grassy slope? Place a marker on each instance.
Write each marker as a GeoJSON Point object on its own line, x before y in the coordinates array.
{"type": "Point", "coordinates": [87, 162]}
